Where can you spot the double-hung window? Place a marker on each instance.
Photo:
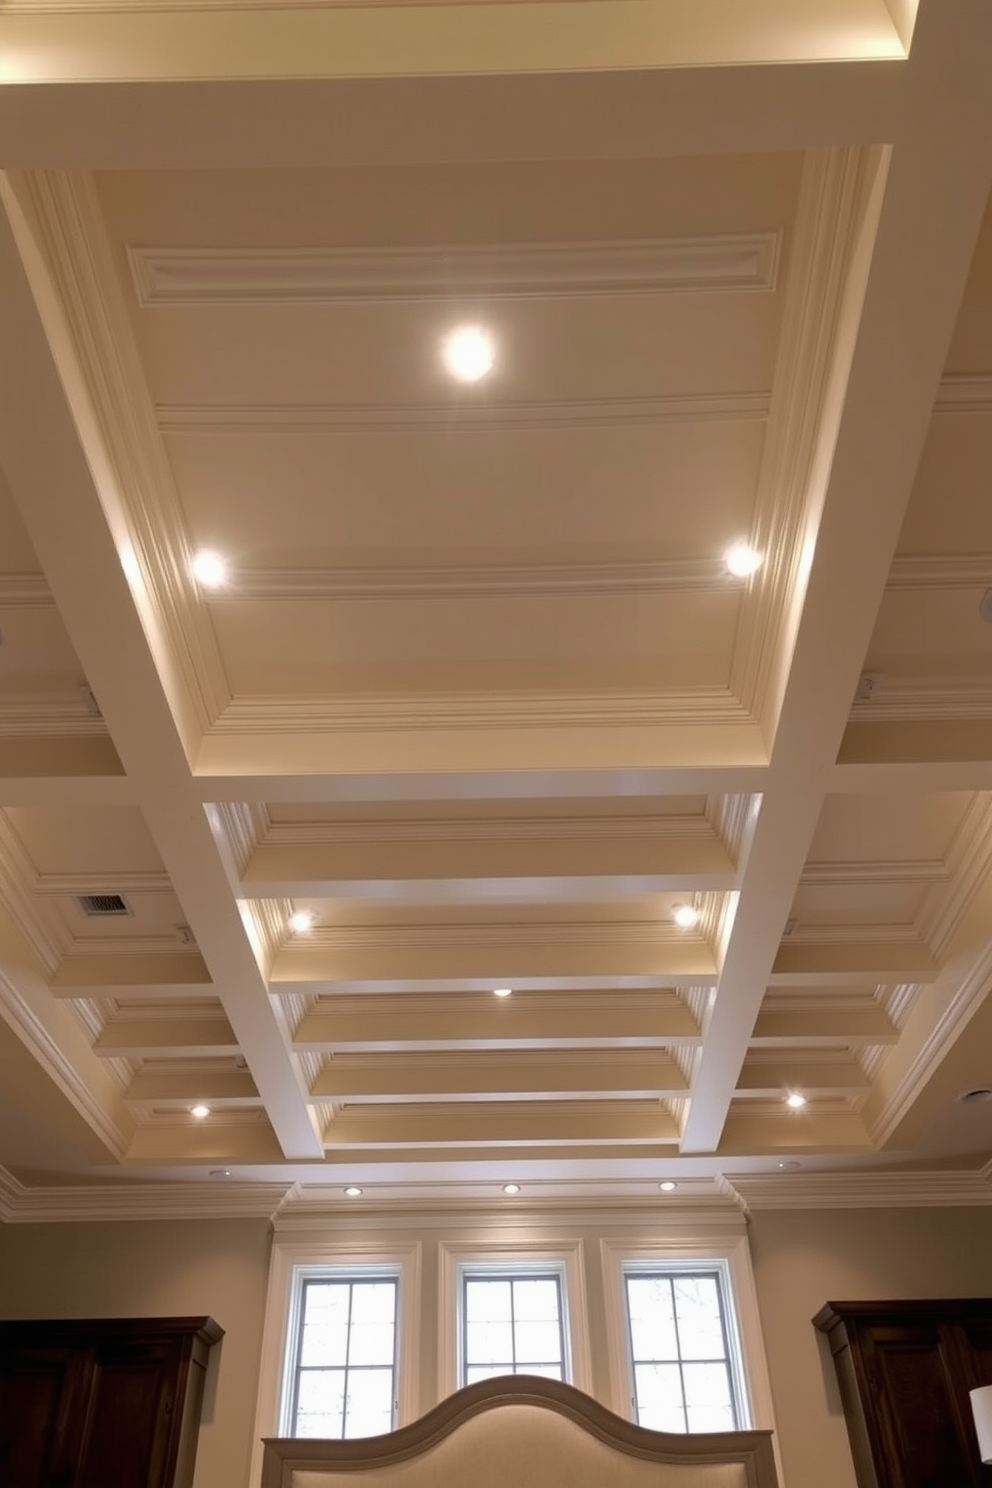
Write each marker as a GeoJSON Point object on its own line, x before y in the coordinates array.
{"type": "Point", "coordinates": [343, 1379]}
{"type": "Point", "coordinates": [512, 1322]}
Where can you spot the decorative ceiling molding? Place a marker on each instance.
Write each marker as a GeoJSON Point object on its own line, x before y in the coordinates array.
{"type": "Point", "coordinates": [25, 591]}
{"type": "Point", "coordinates": [836, 188]}
{"type": "Point", "coordinates": [117, 882]}
{"type": "Point", "coordinates": [969, 862]}
{"type": "Point", "coordinates": [495, 581]}
{"type": "Point", "coordinates": [965, 394]}
{"type": "Point", "coordinates": [481, 710]}
{"type": "Point", "coordinates": [192, 276]}
{"type": "Point", "coordinates": [878, 870]}
{"type": "Point", "coordinates": [48, 716]}
{"type": "Point", "coordinates": [916, 699]}
{"type": "Point", "coordinates": [469, 415]}
{"type": "Point", "coordinates": [941, 570]}
{"type": "Point", "coordinates": [488, 829]}
{"type": "Point", "coordinates": [485, 933]}
{"type": "Point", "coordinates": [67, 1204]}
{"type": "Point", "coordinates": [39, 924]}
{"type": "Point", "coordinates": [64, 212]}
{"type": "Point", "coordinates": [865, 1189]}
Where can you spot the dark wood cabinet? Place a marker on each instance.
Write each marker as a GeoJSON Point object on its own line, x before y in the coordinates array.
{"type": "Point", "coordinates": [102, 1403]}
{"type": "Point", "coordinates": [904, 1370]}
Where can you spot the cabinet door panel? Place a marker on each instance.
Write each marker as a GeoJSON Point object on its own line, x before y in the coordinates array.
{"type": "Point", "coordinates": [130, 1416]}
{"type": "Point", "coordinates": [917, 1412]}
{"type": "Point", "coordinates": [38, 1421]}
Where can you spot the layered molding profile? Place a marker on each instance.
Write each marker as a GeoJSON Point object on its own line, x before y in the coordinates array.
{"type": "Point", "coordinates": [191, 276]}
{"type": "Point", "coordinates": [471, 413]}
{"type": "Point", "coordinates": [965, 394]}
{"type": "Point", "coordinates": [916, 699]}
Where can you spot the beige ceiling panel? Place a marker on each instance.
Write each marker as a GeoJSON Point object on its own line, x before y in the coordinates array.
{"type": "Point", "coordinates": [79, 841]}
{"type": "Point", "coordinates": [888, 827]}
{"type": "Point", "coordinates": [17, 556]}
{"type": "Point", "coordinates": [36, 656]}
{"type": "Point", "coordinates": [317, 821]}
{"type": "Point", "coordinates": [949, 511]}
{"type": "Point", "coordinates": [492, 202]}
{"type": "Point", "coordinates": [935, 633]}
{"type": "Point", "coordinates": [632, 491]}
{"type": "Point", "coordinates": [858, 904]}
{"type": "Point", "coordinates": [150, 915]}
{"type": "Point", "coordinates": [652, 642]}
{"type": "Point", "coordinates": [971, 346]}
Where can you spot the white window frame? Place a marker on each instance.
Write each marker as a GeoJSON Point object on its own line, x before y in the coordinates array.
{"type": "Point", "coordinates": [294, 1260]}
{"type": "Point", "coordinates": [730, 1255]}
{"type": "Point", "coordinates": [527, 1258]}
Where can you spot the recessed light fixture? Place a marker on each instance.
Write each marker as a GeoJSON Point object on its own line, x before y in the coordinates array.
{"type": "Point", "coordinates": [469, 353]}
{"type": "Point", "coordinates": [795, 1101]}
{"type": "Point", "coordinates": [220, 1173]}
{"type": "Point", "coordinates": [668, 1186]}
{"type": "Point", "coordinates": [511, 1188]}
{"type": "Point", "coordinates": [742, 560]}
{"type": "Point", "coordinates": [353, 1191]}
{"type": "Point", "coordinates": [209, 568]}
{"type": "Point", "coordinates": [200, 1112]}
{"type": "Point", "coordinates": [685, 916]}
{"type": "Point", "coordinates": [502, 991]}
{"type": "Point", "coordinates": [300, 921]}
{"type": "Point", "coordinates": [789, 1166]}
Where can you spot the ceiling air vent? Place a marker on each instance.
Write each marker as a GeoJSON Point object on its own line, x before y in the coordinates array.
{"type": "Point", "coordinates": [100, 906]}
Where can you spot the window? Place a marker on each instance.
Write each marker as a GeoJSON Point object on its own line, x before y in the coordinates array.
{"type": "Point", "coordinates": [683, 1353]}
{"type": "Point", "coordinates": [512, 1323]}
{"type": "Point", "coordinates": [344, 1372]}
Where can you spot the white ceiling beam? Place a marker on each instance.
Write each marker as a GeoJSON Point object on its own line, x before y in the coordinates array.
{"type": "Point", "coordinates": [934, 199]}
{"type": "Point", "coordinates": [53, 482]}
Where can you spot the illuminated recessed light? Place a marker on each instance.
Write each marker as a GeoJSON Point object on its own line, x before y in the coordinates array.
{"type": "Point", "coordinates": [353, 1192]}
{"type": "Point", "coordinates": [200, 1112]}
{"type": "Point", "coordinates": [511, 1188]}
{"type": "Point", "coordinates": [209, 568]}
{"type": "Point", "coordinates": [742, 560]}
{"type": "Point", "coordinates": [300, 921]}
{"type": "Point", "coordinates": [795, 1101]}
{"type": "Point", "coordinates": [502, 991]}
{"type": "Point", "coordinates": [685, 916]}
{"type": "Point", "coordinates": [469, 353]}
{"type": "Point", "coordinates": [220, 1172]}
{"type": "Point", "coordinates": [790, 1166]}
{"type": "Point", "coordinates": [668, 1186]}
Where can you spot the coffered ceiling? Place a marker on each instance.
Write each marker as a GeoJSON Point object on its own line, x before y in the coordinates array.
{"type": "Point", "coordinates": [478, 693]}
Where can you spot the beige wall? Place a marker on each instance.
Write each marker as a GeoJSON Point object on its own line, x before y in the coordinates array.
{"type": "Point", "coordinates": [801, 1260]}
{"type": "Point", "coordinates": [805, 1258]}
{"type": "Point", "coordinates": [158, 1269]}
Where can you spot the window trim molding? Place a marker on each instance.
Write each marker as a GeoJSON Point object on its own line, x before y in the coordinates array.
{"type": "Point", "coordinates": [289, 1261]}
{"type": "Point", "coordinates": [735, 1252]}
{"type": "Point", "coordinates": [566, 1254]}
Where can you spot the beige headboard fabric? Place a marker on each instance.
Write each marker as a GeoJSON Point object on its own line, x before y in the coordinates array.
{"type": "Point", "coordinates": [523, 1432]}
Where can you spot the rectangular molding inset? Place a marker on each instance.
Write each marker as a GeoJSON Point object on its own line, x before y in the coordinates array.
{"type": "Point", "coordinates": [246, 276]}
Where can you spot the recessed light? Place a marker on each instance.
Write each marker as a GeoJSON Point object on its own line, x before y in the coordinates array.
{"type": "Point", "coordinates": [502, 991]}
{"type": "Point", "coordinates": [469, 353]}
{"type": "Point", "coordinates": [353, 1192]}
{"type": "Point", "coordinates": [668, 1186]}
{"type": "Point", "coordinates": [742, 560]}
{"type": "Point", "coordinates": [200, 1112]}
{"type": "Point", "coordinates": [300, 921]}
{"type": "Point", "coordinates": [220, 1172]}
{"type": "Point", "coordinates": [790, 1166]}
{"type": "Point", "coordinates": [685, 916]}
{"type": "Point", "coordinates": [795, 1101]}
{"type": "Point", "coordinates": [209, 568]}
{"type": "Point", "coordinates": [511, 1188]}
{"type": "Point", "coordinates": [977, 1097]}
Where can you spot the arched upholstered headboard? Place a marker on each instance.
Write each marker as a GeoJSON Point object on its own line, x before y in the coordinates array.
{"type": "Point", "coordinates": [520, 1431]}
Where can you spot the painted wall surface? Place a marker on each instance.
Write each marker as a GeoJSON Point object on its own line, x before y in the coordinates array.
{"type": "Point", "coordinates": [804, 1258]}
{"type": "Point", "coordinates": [158, 1269]}
{"type": "Point", "coordinates": [801, 1260]}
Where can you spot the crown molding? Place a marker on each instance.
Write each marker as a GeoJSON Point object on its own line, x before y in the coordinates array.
{"type": "Point", "coordinates": [117, 881]}
{"type": "Point", "coordinates": [564, 932]}
{"type": "Point", "coordinates": [244, 824]}
{"type": "Point", "coordinates": [941, 570]}
{"type": "Point", "coordinates": [865, 1189]}
{"type": "Point", "coordinates": [39, 924]}
{"type": "Point", "coordinates": [835, 193]}
{"type": "Point", "coordinates": [191, 276]}
{"type": "Point", "coordinates": [481, 710]}
{"type": "Point", "coordinates": [64, 214]}
{"type": "Point", "coordinates": [494, 581]}
{"type": "Point", "coordinates": [25, 591]}
{"type": "Point", "coordinates": [65, 1204]}
{"type": "Point", "coordinates": [918, 699]}
{"type": "Point", "coordinates": [965, 394]}
{"type": "Point", "coordinates": [969, 861]}
{"type": "Point", "coordinates": [467, 415]}
{"type": "Point", "coordinates": [48, 716]}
